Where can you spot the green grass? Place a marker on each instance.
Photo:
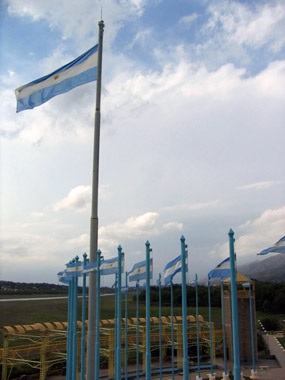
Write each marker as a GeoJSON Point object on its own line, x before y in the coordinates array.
{"type": "Point", "coordinates": [55, 310]}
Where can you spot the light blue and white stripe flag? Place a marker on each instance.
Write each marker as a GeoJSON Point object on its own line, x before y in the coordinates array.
{"type": "Point", "coordinates": [278, 247]}
{"type": "Point", "coordinates": [74, 268]}
{"type": "Point", "coordinates": [139, 271]}
{"type": "Point", "coordinates": [91, 267]}
{"type": "Point", "coordinates": [222, 270]}
{"type": "Point", "coordinates": [63, 277]}
{"type": "Point", "coordinates": [172, 268]}
{"type": "Point", "coordinates": [80, 71]}
{"type": "Point", "coordinates": [110, 266]}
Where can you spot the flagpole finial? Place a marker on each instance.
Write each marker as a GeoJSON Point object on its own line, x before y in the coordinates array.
{"type": "Point", "coordinates": [99, 252]}
{"type": "Point", "coordinates": [76, 258]}
{"type": "Point", "coordinates": [147, 243]}
{"type": "Point", "coordinates": [182, 238]}
{"type": "Point", "coordinates": [84, 255]}
{"type": "Point", "coordinates": [231, 232]}
{"type": "Point", "coordinates": [120, 248]}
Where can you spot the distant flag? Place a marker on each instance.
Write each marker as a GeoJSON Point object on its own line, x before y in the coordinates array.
{"type": "Point", "coordinates": [80, 71]}
{"type": "Point", "coordinates": [172, 268]}
{"type": "Point", "coordinates": [278, 247]}
{"type": "Point", "coordinates": [74, 268]}
{"type": "Point", "coordinates": [110, 266]}
{"type": "Point", "coordinates": [139, 271]}
{"type": "Point", "coordinates": [222, 270]}
{"type": "Point", "coordinates": [63, 277]}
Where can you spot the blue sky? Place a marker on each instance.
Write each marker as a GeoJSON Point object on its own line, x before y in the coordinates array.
{"type": "Point", "coordinates": [191, 137]}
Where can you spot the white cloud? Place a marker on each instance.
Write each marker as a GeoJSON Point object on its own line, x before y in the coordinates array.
{"type": "Point", "coordinates": [81, 242]}
{"type": "Point", "coordinates": [173, 226]}
{"type": "Point", "coordinates": [79, 20]}
{"type": "Point", "coordinates": [144, 225]}
{"type": "Point", "coordinates": [37, 215]}
{"type": "Point", "coordinates": [241, 24]}
{"type": "Point", "coordinates": [256, 235]}
{"type": "Point", "coordinates": [258, 185]}
{"type": "Point", "coordinates": [78, 199]}
{"type": "Point", "coordinates": [193, 206]}
{"type": "Point", "coordinates": [189, 19]}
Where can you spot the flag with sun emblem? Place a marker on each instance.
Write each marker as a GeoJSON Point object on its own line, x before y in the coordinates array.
{"type": "Point", "coordinates": [80, 71]}
{"type": "Point", "coordinates": [139, 271]}
{"type": "Point", "coordinates": [110, 266]}
{"type": "Point", "coordinates": [74, 269]}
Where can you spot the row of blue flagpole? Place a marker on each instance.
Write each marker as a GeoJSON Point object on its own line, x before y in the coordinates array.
{"type": "Point", "coordinates": [143, 270]}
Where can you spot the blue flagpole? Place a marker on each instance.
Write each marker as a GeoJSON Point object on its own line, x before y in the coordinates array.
{"type": "Point", "coordinates": [172, 335]}
{"type": "Point", "coordinates": [116, 320]}
{"type": "Point", "coordinates": [69, 343]}
{"type": "Point", "coordinates": [74, 341]}
{"type": "Point", "coordinates": [197, 325]}
{"type": "Point", "coordinates": [72, 329]}
{"type": "Point", "coordinates": [126, 328]}
{"type": "Point", "coordinates": [148, 354]}
{"type": "Point", "coordinates": [160, 348]}
{"type": "Point", "coordinates": [97, 347]}
{"type": "Point", "coordinates": [137, 286]}
{"type": "Point", "coordinates": [119, 350]}
{"type": "Point", "coordinates": [184, 310]}
{"type": "Point", "coordinates": [251, 328]}
{"type": "Point", "coordinates": [234, 308]}
{"type": "Point", "coordinates": [224, 329]}
{"type": "Point", "coordinates": [82, 368]}
{"type": "Point", "coordinates": [210, 323]}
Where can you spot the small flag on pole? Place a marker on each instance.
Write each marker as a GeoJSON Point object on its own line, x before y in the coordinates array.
{"type": "Point", "coordinates": [91, 267]}
{"type": "Point", "coordinates": [222, 270]}
{"type": "Point", "coordinates": [110, 266]}
{"type": "Point", "coordinates": [278, 247]}
{"type": "Point", "coordinates": [74, 268]}
{"type": "Point", "coordinates": [63, 277]}
{"type": "Point", "coordinates": [139, 271]}
{"type": "Point", "coordinates": [172, 268]}
{"type": "Point", "coordinates": [80, 71]}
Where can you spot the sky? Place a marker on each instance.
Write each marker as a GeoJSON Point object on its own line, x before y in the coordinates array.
{"type": "Point", "coordinates": [192, 133]}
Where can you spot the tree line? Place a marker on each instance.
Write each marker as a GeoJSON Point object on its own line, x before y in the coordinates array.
{"type": "Point", "coordinates": [269, 296]}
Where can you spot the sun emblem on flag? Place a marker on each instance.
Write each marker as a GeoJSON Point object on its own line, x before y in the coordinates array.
{"type": "Point", "coordinates": [139, 270]}
{"type": "Point", "coordinates": [56, 77]}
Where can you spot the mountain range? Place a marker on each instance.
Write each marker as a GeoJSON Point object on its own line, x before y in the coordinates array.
{"type": "Point", "coordinates": [269, 269]}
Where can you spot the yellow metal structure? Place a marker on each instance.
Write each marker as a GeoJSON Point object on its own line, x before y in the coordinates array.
{"type": "Point", "coordinates": [43, 345]}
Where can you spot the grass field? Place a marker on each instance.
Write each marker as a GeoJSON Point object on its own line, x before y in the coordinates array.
{"type": "Point", "coordinates": [55, 310]}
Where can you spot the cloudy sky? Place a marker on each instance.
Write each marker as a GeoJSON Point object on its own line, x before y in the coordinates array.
{"type": "Point", "coordinates": [192, 133]}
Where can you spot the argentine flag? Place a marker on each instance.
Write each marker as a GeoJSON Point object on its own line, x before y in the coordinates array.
{"type": "Point", "coordinates": [80, 71]}
{"type": "Point", "coordinates": [172, 268]}
{"type": "Point", "coordinates": [278, 247]}
{"type": "Point", "coordinates": [139, 271]}
{"type": "Point", "coordinates": [74, 268]}
{"type": "Point", "coordinates": [91, 267]}
{"type": "Point", "coordinates": [110, 266]}
{"type": "Point", "coordinates": [222, 270]}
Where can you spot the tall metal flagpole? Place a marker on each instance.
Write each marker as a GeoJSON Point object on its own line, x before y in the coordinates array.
{"type": "Point", "coordinates": [91, 337]}
{"type": "Point", "coordinates": [234, 307]}
{"type": "Point", "coordinates": [184, 310]}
